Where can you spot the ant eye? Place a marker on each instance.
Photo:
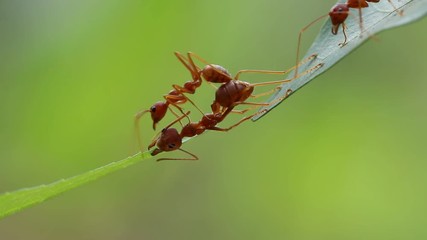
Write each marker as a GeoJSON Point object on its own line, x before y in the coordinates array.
{"type": "Point", "coordinates": [171, 145]}
{"type": "Point", "coordinates": [153, 109]}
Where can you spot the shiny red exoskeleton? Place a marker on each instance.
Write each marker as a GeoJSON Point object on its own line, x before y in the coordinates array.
{"type": "Point", "coordinates": [338, 14]}
{"type": "Point", "coordinates": [170, 139]}
{"type": "Point", "coordinates": [230, 93]}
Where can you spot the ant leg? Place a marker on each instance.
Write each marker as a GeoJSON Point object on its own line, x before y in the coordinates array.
{"type": "Point", "coordinates": [173, 99]}
{"type": "Point", "coordinates": [266, 93]}
{"type": "Point", "coordinates": [177, 120]}
{"type": "Point", "coordinates": [249, 103]}
{"type": "Point", "coordinates": [136, 127]}
{"type": "Point", "coordinates": [300, 38]}
{"type": "Point", "coordinates": [400, 12]}
{"type": "Point", "coordinates": [190, 59]}
{"type": "Point", "coordinates": [175, 114]}
{"type": "Point", "coordinates": [189, 65]}
{"type": "Point", "coordinates": [236, 124]}
{"type": "Point", "coordinates": [255, 104]}
{"type": "Point", "coordinates": [360, 18]}
{"type": "Point", "coordinates": [182, 91]}
{"type": "Point", "coordinates": [236, 77]}
{"type": "Point", "coordinates": [194, 157]}
{"type": "Point", "coordinates": [291, 79]}
{"type": "Point", "coordinates": [244, 110]}
{"type": "Point", "coordinates": [344, 27]}
{"type": "Point", "coordinates": [288, 92]}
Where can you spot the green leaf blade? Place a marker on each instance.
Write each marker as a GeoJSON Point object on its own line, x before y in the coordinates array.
{"type": "Point", "coordinates": [16, 201]}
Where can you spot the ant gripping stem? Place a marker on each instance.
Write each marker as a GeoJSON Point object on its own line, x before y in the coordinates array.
{"type": "Point", "coordinates": [170, 140]}
{"type": "Point", "coordinates": [228, 96]}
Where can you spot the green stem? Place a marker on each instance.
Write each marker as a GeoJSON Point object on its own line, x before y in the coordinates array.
{"type": "Point", "coordinates": [12, 202]}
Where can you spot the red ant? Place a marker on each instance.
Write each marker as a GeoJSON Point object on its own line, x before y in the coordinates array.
{"type": "Point", "coordinates": [176, 96]}
{"type": "Point", "coordinates": [228, 95]}
{"type": "Point", "coordinates": [338, 14]}
{"type": "Point", "coordinates": [213, 74]}
{"type": "Point", "coordinates": [171, 140]}
{"type": "Point", "coordinates": [233, 92]}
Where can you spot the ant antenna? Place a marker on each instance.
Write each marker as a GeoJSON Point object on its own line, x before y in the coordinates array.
{"type": "Point", "coordinates": [194, 157]}
{"type": "Point", "coordinates": [137, 129]}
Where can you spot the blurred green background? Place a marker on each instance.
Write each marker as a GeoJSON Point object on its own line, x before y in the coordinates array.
{"type": "Point", "coordinates": [345, 158]}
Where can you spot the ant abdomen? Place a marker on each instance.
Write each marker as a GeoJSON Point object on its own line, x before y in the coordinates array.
{"type": "Point", "coordinates": [231, 92]}
{"type": "Point", "coordinates": [216, 74]}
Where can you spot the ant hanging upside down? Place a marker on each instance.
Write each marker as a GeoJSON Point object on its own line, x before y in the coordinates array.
{"type": "Point", "coordinates": [232, 91]}
{"type": "Point", "coordinates": [212, 73]}
{"type": "Point", "coordinates": [170, 139]}
{"type": "Point", "coordinates": [230, 94]}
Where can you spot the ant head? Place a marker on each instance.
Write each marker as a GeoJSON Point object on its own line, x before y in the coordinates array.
{"type": "Point", "coordinates": [158, 111]}
{"type": "Point", "coordinates": [359, 3]}
{"type": "Point", "coordinates": [338, 15]}
{"type": "Point", "coordinates": [216, 74]}
{"type": "Point", "coordinates": [169, 140]}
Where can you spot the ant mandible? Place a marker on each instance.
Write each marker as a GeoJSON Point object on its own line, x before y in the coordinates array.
{"type": "Point", "coordinates": [338, 14]}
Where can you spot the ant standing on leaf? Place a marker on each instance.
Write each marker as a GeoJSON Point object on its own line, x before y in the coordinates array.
{"type": "Point", "coordinates": [338, 14]}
